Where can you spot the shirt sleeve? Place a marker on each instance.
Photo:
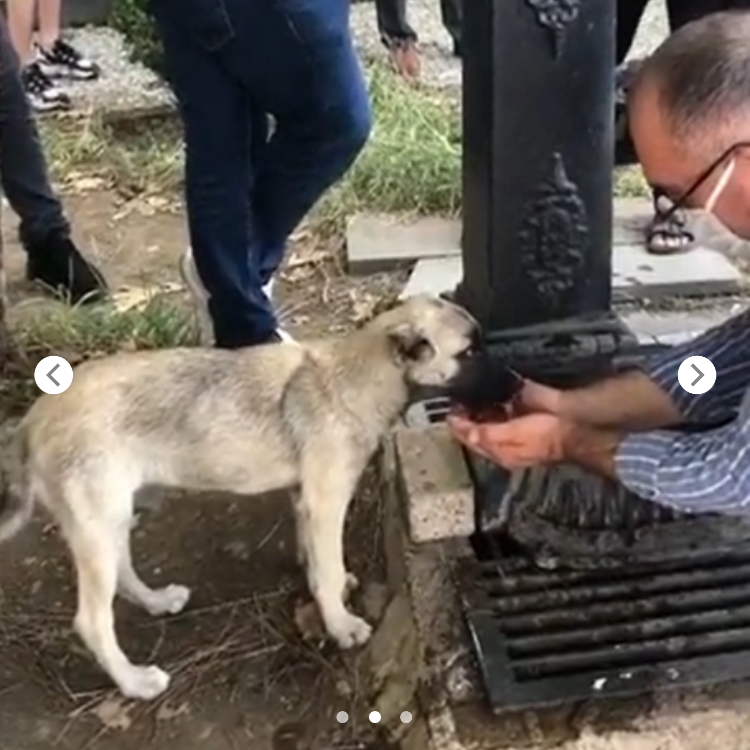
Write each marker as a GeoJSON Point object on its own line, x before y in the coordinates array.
{"type": "Point", "coordinates": [697, 472]}
{"type": "Point", "coordinates": [728, 348]}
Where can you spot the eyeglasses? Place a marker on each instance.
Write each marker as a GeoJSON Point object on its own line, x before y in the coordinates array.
{"type": "Point", "coordinates": [671, 211]}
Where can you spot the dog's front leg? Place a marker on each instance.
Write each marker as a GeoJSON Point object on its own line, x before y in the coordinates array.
{"type": "Point", "coordinates": [327, 488]}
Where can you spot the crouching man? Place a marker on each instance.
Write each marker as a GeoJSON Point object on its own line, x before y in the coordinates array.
{"type": "Point", "coordinates": [689, 113]}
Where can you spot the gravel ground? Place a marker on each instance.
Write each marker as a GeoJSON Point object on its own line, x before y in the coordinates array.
{"type": "Point", "coordinates": [123, 86]}
{"type": "Point", "coordinates": [440, 68]}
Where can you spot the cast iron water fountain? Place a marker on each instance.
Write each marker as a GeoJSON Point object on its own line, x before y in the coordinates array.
{"type": "Point", "coordinates": [578, 588]}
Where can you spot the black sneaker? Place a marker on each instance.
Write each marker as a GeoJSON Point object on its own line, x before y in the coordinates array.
{"type": "Point", "coordinates": [42, 93]}
{"type": "Point", "coordinates": [59, 266]}
{"type": "Point", "coordinates": [63, 60]}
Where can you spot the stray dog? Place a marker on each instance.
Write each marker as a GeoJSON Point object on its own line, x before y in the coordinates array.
{"type": "Point", "coordinates": [246, 421]}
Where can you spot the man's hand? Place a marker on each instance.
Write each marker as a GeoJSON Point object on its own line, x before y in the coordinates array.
{"type": "Point", "coordinates": [535, 398]}
{"type": "Point", "coordinates": [406, 60]}
{"type": "Point", "coordinates": [522, 442]}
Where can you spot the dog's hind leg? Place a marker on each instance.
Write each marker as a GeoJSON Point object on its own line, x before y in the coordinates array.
{"type": "Point", "coordinates": [326, 492]}
{"type": "Point", "coordinates": [166, 601]}
{"type": "Point", "coordinates": [94, 532]}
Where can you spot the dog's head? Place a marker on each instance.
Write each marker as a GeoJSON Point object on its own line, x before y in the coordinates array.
{"type": "Point", "coordinates": [430, 339]}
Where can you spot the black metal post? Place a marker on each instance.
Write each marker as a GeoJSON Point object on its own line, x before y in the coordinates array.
{"type": "Point", "coordinates": [538, 155]}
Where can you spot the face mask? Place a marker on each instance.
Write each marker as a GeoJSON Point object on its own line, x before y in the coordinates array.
{"type": "Point", "coordinates": [720, 187]}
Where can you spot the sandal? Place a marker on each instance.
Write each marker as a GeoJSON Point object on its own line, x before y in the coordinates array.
{"type": "Point", "coordinates": [668, 235]}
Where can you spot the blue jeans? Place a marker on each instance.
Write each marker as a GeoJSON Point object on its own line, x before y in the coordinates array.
{"type": "Point", "coordinates": [232, 63]}
{"type": "Point", "coordinates": [23, 167]}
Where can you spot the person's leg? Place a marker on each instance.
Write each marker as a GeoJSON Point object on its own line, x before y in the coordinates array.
{"type": "Point", "coordinates": [452, 13]}
{"type": "Point", "coordinates": [42, 93]}
{"type": "Point", "coordinates": [50, 18]}
{"type": "Point", "coordinates": [217, 114]}
{"type": "Point", "coordinates": [312, 83]}
{"type": "Point", "coordinates": [44, 231]}
{"type": "Point", "coordinates": [57, 57]}
{"type": "Point", "coordinates": [399, 38]}
{"type": "Point", "coordinates": [392, 23]}
{"type": "Point", "coordinates": [21, 16]}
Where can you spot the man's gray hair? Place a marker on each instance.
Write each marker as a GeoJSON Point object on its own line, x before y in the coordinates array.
{"type": "Point", "coordinates": [702, 73]}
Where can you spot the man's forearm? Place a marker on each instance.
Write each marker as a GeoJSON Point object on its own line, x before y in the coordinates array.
{"type": "Point", "coordinates": [653, 398]}
{"type": "Point", "coordinates": [592, 448]}
{"type": "Point", "coordinates": [629, 402]}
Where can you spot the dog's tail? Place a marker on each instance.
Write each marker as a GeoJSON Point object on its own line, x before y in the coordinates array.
{"type": "Point", "coordinates": [16, 498]}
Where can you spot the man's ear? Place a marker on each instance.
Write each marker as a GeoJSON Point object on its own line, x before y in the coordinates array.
{"type": "Point", "coordinates": [408, 345]}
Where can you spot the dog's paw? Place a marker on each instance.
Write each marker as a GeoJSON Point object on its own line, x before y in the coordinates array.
{"type": "Point", "coordinates": [143, 683]}
{"type": "Point", "coordinates": [170, 600]}
{"type": "Point", "coordinates": [349, 631]}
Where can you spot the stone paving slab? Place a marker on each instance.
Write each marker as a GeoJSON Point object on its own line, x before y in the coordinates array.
{"type": "Point", "coordinates": [438, 489]}
{"type": "Point", "coordinates": [701, 271]}
{"type": "Point", "coordinates": [434, 276]}
{"type": "Point", "coordinates": [676, 326]}
{"type": "Point", "coordinates": [378, 242]}
{"type": "Point", "coordinates": [636, 274]}
{"type": "Point", "coordinates": [125, 88]}
{"type": "Point", "coordinates": [381, 242]}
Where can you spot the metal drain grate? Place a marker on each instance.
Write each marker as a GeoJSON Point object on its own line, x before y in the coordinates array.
{"type": "Point", "coordinates": [422, 414]}
{"type": "Point", "coordinates": [546, 638]}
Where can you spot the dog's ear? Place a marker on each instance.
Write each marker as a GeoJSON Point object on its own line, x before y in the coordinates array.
{"type": "Point", "coordinates": [408, 344]}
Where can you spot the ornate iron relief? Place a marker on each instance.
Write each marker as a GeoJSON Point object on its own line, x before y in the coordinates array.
{"type": "Point", "coordinates": [555, 16]}
{"type": "Point", "coordinates": [553, 237]}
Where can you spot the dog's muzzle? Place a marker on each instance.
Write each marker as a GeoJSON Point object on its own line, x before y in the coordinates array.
{"type": "Point", "coordinates": [484, 384]}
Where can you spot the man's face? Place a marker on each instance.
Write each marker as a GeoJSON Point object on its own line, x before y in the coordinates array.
{"type": "Point", "coordinates": [673, 170]}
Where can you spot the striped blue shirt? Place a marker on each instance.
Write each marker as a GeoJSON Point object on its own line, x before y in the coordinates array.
{"type": "Point", "coordinates": [702, 471]}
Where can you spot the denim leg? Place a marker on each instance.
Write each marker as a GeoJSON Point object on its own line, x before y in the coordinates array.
{"type": "Point", "coordinates": [23, 167]}
{"type": "Point", "coordinates": [392, 23]}
{"type": "Point", "coordinates": [218, 116]}
{"type": "Point", "coordinates": [311, 81]}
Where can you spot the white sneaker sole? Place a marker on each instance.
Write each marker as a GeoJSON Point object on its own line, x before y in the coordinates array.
{"type": "Point", "coordinates": [192, 280]}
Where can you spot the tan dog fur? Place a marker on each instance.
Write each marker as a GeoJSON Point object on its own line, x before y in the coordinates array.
{"type": "Point", "coordinates": [305, 415]}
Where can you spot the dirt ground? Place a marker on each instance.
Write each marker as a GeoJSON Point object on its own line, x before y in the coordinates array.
{"type": "Point", "coordinates": [247, 663]}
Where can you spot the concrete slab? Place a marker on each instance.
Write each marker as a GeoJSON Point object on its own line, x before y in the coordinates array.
{"type": "Point", "coordinates": [378, 242]}
{"type": "Point", "coordinates": [676, 325]}
{"type": "Point", "coordinates": [434, 276]}
{"type": "Point", "coordinates": [635, 274]}
{"type": "Point", "coordinates": [631, 217]}
{"type": "Point", "coordinates": [440, 497]}
{"type": "Point", "coordinates": [701, 271]}
{"type": "Point", "coordinates": [125, 89]}
{"type": "Point", "coordinates": [381, 242]}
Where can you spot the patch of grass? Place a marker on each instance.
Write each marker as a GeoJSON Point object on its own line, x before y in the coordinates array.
{"type": "Point", "coordinates": [85, 332]}
{"type": "Point", "coordinates": [145, 161]}
{"type": "Point", "coordinates": [412, 162]}
{"type": "Point", "coordinates": [81, 333]}
{"type": "Point", "coordinates": [133, 20]}
{"type": "Point", "coordinates": [629, 182]}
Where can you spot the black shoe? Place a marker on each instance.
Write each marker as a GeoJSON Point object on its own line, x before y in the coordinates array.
{"type": "Point", "coordinates": [63, 60]}
{"type": "Point", "coordinates": [58, 265]}
{"type": "Point", "coordinates": [41, 92]}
